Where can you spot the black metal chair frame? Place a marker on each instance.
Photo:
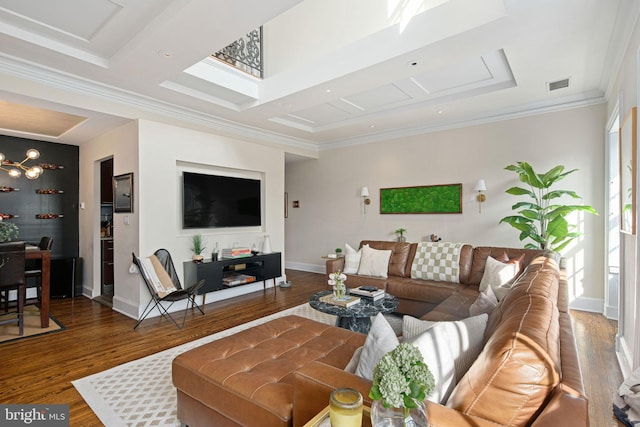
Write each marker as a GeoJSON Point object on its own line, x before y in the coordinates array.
{"type": "Point", "coordinates": [179, 294]}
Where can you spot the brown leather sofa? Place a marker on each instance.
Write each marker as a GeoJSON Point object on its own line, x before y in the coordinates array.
{"type": "Point", "coordinates": [281, 373]}
{"type": "Point", "coordinates": [430, 299]}
{"type": "Point", "coordinates": [528, 373]}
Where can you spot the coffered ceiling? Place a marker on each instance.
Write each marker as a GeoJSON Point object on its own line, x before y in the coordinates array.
{"type": "Point", "coordinates": [342, 72]}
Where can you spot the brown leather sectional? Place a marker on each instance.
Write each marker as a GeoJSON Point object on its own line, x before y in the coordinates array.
{"type": "Point", "coordinates": [281, 373]}
{"type": "Point", "coordinates": [429, 299]}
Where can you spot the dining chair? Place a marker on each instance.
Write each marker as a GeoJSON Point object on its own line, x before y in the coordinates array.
{"type": "Point", "coordinates": [12, 277]}
{"type": "Point", "coordinates": [164, 286]}
{"type": "Point", "coordinates": [35, 269]}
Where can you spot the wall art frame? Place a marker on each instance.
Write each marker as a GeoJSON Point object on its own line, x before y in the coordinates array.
{"type": "Point", "coordinates": [426, 199]}
{"type": "Point", "coordinates": [123, 193]}
{"type": "Point", "coordinates": [628, 172]}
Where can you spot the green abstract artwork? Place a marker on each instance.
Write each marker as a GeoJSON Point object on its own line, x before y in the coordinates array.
{"type": "Point", "coordinates": [429, 199]}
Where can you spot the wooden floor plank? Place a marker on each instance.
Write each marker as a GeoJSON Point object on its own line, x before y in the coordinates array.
{"type": "Point", "coordinates": [40, 369]}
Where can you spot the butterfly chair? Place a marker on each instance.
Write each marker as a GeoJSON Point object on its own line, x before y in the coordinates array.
{"type": "Point", "coordinates": [163, 284]}
{"type": "Point", "coordinates": [12, 277]}
{"type": "Point", "coordinates": [35, 269]}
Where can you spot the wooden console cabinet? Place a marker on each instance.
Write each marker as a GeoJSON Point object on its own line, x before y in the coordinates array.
{"type": "Point", "coordinates": [262, 266]}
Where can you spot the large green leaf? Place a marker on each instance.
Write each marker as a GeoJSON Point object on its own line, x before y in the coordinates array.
{"type": "Point", "coordinates": [528, 205]}
{"type": "Point", "coordinates": [559, 193]}
{"type": "Point", "coordinates": [529, 176]}
{"type": "Point", "coordinates": [519, 191]}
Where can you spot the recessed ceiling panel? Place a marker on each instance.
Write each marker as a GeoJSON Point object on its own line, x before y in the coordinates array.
{"type": "Point", "coordinates": [37, 121]}
{"type": "Point", "coordinates": [376, 97]}
{"type": "Point", "coordinates": [322, 113]}
{"type": "Point", "coordinates": [471, 71]}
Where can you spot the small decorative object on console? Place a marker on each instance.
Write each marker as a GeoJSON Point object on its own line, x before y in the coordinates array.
{"type": "Point", "coordinates": [401, 382]}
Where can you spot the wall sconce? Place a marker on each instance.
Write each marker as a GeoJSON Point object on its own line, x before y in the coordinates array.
{"type": "Point", "coordinates": [364, 193]}
{"type": "Point", "coordinates": [31, 173]}
{"type": "Point", "coordinates": [481, 187]}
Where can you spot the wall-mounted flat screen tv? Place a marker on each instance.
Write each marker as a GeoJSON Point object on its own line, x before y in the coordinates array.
{"type": "Point", "coordinates": [211, 201]}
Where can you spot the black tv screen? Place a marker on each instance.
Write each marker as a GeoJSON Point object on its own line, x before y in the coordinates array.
{"type": "Point", "coordinates": [210, 201]}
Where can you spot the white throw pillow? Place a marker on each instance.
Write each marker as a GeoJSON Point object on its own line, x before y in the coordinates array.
{"type": "Point", "coordinates": [434, 346]}
{"type": "Point", "coordinates": [374, 262]}
{"type": "Point", "coordinates": [351, 259]}
{"type": "Point", "coordinates": [498, 275]}
{"type": "Point", "coordinates": [465, 338]}
{"type": "Point", "coordinates": [485, 303]}
{"type": "Point", "coordinates": [381, 339]}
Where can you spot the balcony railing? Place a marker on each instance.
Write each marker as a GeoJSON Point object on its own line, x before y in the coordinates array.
{"type": "Point", "coordinates": [245, 54]}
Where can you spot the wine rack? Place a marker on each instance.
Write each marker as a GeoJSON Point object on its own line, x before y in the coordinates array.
{"type": "Point", "coordinates": [4, 189]}
{"type": "Point", "coordinates": [49, 216]}
{"type": "Point", "coordinates": [5, 216]}
{"type": "Point", "coordinates": [48, 191]}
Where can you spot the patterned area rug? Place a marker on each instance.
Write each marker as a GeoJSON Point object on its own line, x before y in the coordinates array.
{"type": "Point", "coordinates": [141, 393]}
{"type": "Point", "coordinates": [9, 331]}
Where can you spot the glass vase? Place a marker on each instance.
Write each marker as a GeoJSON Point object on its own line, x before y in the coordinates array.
{"type": "Point", "coordinates": [339, 291]}
{"type": "Point", "coordinates": [398, 417]}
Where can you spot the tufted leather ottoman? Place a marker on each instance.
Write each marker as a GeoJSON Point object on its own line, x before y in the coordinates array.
{"type": "Point", "coordinates": [246, 379]}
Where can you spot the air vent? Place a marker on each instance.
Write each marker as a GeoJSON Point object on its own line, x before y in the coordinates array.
{"type": "Point", "coordinates": [558, 84]}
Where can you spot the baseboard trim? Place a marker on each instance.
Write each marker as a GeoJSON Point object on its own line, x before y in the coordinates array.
{"type": "Point", "coordinates": [624, 356]}
{"type": "Point", "coordinates": [311, 268]}
{"type": "Point", "coordinates": [594, 305]}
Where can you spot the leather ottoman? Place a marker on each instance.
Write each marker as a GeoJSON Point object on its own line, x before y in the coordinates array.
{"type": "Point", "coordinates": [246, 379]}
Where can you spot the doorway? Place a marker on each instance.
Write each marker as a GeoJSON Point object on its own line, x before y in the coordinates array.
{"type": "Point", "coordinates": [612, 262]}
{"type": "Point", "coordinates": [106, 233]}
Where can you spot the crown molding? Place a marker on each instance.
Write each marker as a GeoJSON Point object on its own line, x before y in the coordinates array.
{"type": "Point", "coordinates": [185, 116]}
{"type": "Point", "coordinates": [515, 113]}
{"type": "Point", "coordinates": [74, 84]}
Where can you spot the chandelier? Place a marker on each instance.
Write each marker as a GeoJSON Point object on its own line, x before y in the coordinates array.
{"type": "Point", "coordinates": [15, 169]}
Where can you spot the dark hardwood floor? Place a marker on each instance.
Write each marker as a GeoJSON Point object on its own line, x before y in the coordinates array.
{"type": "Point", "coordinates": [40, 369]}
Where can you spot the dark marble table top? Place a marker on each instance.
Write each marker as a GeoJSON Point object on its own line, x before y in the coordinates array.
{"type": "Point", "coordinates": [365, 308]}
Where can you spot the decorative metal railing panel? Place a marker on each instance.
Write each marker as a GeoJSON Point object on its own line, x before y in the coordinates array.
{"type": "Point", "coordinates": [245, 54]}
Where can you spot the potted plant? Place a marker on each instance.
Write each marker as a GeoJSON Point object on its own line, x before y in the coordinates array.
{"type": "Point", "coordinates": [338, 252]}
{"type": "Point", "coordinates": [198, 246]}
{"type": "Point", "coordinates": [8, 231]}
{"type": "Point", "coordinates": [401, 382]}
{"type": "Point", "coordinates": [400, 232]}
{"type": "Point", "coordinates": [540, 220]}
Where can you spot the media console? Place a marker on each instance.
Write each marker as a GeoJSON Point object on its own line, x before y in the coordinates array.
{"type": "Point", "coordinates": [230, 272]}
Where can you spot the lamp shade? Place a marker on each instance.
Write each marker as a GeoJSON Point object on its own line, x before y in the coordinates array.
{"type": "Point", "coordinates": [480, 185]}
{"type": "Point", "coordinates": [364, 192]}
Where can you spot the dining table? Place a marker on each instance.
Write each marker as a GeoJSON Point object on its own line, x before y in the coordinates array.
{"type": "Point", "coordinates": [34, 252]}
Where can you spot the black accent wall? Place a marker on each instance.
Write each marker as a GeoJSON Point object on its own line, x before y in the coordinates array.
{"type": "Point", "coordinates": [26, 203]}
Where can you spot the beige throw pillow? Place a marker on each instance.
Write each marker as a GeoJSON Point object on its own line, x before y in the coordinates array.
{"type": "Point", "coordinates": [434, 346]}
{"type": "Point", "coordinates": [465, 338]}
{"type": "Point", "coordinates": [351, 259]}
{"type": "Point", "coordinates": [374, 262]}
{"type": "Point", "coordinates": [381, 339]}
{"type": "Point", "coordinates": [498, 275]}
{"type": "Point", "coordinates": [485, 303]}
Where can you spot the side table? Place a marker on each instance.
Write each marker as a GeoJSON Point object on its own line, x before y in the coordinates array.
{"type": "Point", "coordinates": [356, 318]}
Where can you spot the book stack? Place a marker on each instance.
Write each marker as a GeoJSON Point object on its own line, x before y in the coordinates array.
{"type": "Point", "coordinates": [347, 301]}
{"type": "Point", "coordinates": [368, 292]}
{"type": "Point", "coordinates": [236, 252]}
{"type": "Point", "coordinates": [236, 279]}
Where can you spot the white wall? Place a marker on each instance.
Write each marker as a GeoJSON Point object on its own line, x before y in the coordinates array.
{"type": "Point", "coordinates": [157, 153]}
{"type": "Point", "coordinates": [329, 189]}
{"type": "Point", "coordinates": [625, 95]}
{"type": "Point", "coordinates": [121, 144]}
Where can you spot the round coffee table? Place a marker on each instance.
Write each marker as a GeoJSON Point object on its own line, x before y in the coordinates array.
{"type": "Point", "coordinates": [356, 318]}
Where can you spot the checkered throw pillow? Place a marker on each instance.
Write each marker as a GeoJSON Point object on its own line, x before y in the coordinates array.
{"type": "Point", "coordinates": [437, 261]}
